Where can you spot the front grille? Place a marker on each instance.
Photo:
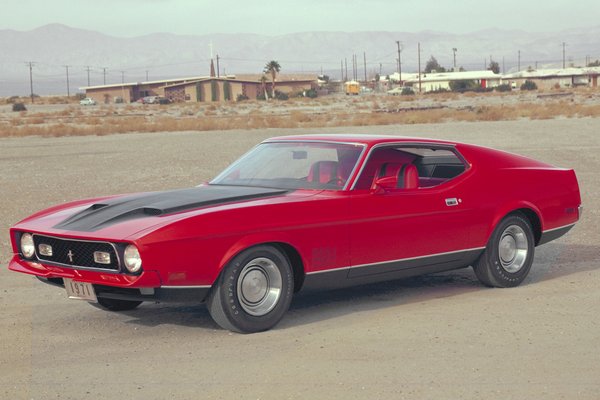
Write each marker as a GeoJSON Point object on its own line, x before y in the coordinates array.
{"type": "Point", "coordinates": [76, 253]}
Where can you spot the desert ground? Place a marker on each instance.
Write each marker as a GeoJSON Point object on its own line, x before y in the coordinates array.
{"type": "Point", "coordinates": [442, 336]}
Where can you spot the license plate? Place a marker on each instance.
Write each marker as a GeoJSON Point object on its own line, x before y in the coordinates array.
{"type": "Point", "coordinates": [80, 290]}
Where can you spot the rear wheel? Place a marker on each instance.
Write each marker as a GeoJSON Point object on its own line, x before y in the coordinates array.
{"type": "Point", "coordinates": [117, 305]}
{"type": "Point", "coordinates": [508, 255]}
{"type": "Point", "coordinates": [253, 291]}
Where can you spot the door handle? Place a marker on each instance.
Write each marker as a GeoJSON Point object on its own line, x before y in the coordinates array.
{"type": "Point", "coordinates": [452, 201]}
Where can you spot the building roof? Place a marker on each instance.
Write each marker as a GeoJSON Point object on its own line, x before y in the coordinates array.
{"type": "Point", "coordinates": [162, 81]}
{"type": "Point", "coordinates": [115, 85]}
{"type": "Point", "coordinates": [227, 79]}
{"type": "Point", "coordinates": [456, 76]}
{"type": "Point", "coordinates": [550, 73]}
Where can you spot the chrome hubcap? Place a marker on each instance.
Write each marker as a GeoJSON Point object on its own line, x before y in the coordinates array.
{"type": "Point", "coordinates": [259, 286]}
{"type": "Point", "coordinates": [513, 248]}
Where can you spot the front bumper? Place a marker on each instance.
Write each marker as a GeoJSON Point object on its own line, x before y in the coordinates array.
{"type": "Point", "coordinates": [144, 287]}
{"type": "Point", "coordinates": [171, 294]}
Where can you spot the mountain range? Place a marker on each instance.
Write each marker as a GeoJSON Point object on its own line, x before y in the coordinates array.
{"type": "Point", "coordinates": [113, 59]}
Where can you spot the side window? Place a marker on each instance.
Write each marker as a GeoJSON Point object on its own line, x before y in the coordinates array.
{"type": "Point", "coordinates": [410, 167]}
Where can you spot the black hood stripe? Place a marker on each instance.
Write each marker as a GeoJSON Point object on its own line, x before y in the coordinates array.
{"type": "Point", "coordinates": [113, 211]}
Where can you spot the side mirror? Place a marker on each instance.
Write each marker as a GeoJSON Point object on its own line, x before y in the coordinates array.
{"type": "Point", "coordinates": [384, 184]}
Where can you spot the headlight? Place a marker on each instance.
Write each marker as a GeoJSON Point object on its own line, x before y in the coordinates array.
{"type": "Point", "coordinates": [27, 246]}
{"type": "Point", "coordinates": [132, 259]}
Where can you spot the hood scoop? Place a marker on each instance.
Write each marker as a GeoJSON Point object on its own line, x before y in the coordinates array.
{"type": "Point", "coordinates": [101, 215]}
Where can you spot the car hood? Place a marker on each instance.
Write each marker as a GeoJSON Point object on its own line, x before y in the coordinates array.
{"type": "Point", "coordinates": [121, 216]}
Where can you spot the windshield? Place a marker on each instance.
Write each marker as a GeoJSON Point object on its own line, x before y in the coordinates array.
{"type": "Point", "coordinates": [293, 165]}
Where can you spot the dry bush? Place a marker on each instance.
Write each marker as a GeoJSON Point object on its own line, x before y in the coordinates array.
{"type": "Point", "coordinates": [330, 112]}
{"type": "Point", "coordinates": [299, 117]}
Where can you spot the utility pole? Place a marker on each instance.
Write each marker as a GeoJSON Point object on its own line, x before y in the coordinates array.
{"type": "Point", "coordinates": [341, 70]}
{"type": "Point", "coordinates": [147, 76]}
{"type": "Point", "coordinates": [419, 57]}
{"type": "Point", "coordinates": [399, 61]}
{"type": "Point", "coordinates": [104, 75]}
{"type": "Point", "coordinates": [346, 64]}
{"type": "Point", "coordinates": [218, 69]}
{"type": "Point", "coordinates": [564, 45]}
{"type": "Point", "coordinates": [122, 86]}
{"type": "Point", "coordinates": [87, 68]}
{"type": "Point", "coordinates": [30, 63]}
{"type": "Point", "coordinates": [68, 89]}
{"type": "Point", "coordinates": [503, 66]}
{"type": "Point", "coordinates": [365, 64]}
{"type": "Point", "coordinates": [454, 50]}
{"type": "Point", "coordinates": [519, 61]}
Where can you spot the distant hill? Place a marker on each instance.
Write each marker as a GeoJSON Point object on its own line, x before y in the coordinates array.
{"type": "Point", "coordinates": [166, 55]}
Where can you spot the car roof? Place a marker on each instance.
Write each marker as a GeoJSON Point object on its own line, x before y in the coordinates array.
{"type": "Point", "coordinates": [357, 138]}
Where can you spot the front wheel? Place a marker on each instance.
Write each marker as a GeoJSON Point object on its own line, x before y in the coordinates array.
{"type": "Point", "coordinates": [508, 255]}
{"type": "Point", "coordinates": [253, 291]}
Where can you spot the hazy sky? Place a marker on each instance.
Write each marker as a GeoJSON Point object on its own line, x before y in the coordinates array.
{"type": "Point", "coordinates": [139, 17]}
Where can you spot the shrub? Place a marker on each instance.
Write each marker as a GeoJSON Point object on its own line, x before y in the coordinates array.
{"type": "Point", "coordinates": [438, 90]}
{"type": "Point", "coordinates": [12, 99]}
{"type": "Point", "coordinates": [311, 93]}
{"type": "Point", "coordinates": [19, 107]}
{"type": "Point", "coordinates": [281, 96]}
{"type": "Point", "coordinates": [407, 91]}
{"type": "Point", "coordinates": [463, 85]}
{"type": "Point", "coordinates": [505, 87]}
{"type": "Point", "coordinates": [529, 85]}
{"type": "Point", "coordinates": [241, 97]}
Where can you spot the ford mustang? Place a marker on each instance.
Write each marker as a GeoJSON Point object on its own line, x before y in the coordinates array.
{"type": "Point", "coordinates": [304, 213]}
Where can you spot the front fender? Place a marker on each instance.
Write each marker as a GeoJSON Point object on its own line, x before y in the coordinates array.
{"type": "Point", "coordinates": [256, 239]}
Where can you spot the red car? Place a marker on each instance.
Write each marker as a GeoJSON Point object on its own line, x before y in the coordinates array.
{"type": "Point", "coordinates": [301, 213]}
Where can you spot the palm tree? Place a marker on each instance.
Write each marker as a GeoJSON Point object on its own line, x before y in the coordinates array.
{"type": "Point", "coordinates": [263, 85]}
{"type": "Point", "coordinates": [272, 68]}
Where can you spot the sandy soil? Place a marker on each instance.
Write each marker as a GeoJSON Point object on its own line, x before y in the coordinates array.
{"type": "Point", "coordinates": [442, 336]}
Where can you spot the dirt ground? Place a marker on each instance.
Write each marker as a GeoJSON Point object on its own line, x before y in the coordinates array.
{"type": "Point", "coordinates": [442, 336]}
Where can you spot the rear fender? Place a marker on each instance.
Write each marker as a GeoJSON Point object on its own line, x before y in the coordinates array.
{"type": "Point", "coordinates": [510, 208]}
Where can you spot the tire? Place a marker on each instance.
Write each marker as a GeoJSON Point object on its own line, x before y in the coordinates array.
{"type": "Point", "coordinates": [253, 291]}
{"type": "Point", "coordinates": [508, 256]}
{"type": "Point", "coordinates": [117, 305]}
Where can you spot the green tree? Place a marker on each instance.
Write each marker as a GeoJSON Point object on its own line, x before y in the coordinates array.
{"type": "Point", "coordinates": [433, 65]}
{"type": "Point", "coordinates": [272, 68]}
{"type": "Point", "coordinates": [494, 66]}
{"type": "Point", "coordinates": [594, 64]}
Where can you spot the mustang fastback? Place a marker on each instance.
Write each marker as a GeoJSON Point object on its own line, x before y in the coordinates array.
{"type": "Point", "coordinates": [304, 213]}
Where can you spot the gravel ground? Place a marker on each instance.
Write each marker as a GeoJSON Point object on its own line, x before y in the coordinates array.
{"type": "Point", "coordinates": [442, 336]}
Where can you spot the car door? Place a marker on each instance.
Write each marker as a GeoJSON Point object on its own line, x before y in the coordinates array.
{"type": "Point", "coordinates": [397, 228]}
